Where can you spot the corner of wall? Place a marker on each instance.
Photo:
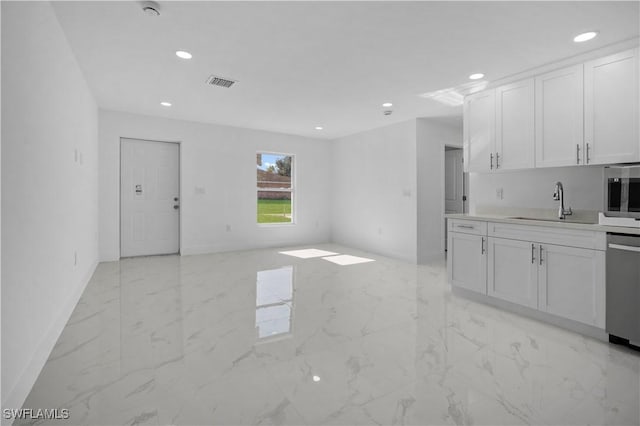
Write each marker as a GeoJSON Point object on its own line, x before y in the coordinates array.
{"type": "Point", "coordinates": [49, 220]}
{"type": "Point", "coordinates": [432, 136]}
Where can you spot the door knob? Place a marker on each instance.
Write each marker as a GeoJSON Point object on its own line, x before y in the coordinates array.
{"type": "Point", "coordinates": [176, 207]}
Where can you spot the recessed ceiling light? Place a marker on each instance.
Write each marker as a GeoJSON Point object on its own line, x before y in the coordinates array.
{"type": "Point", "coordinates": [319, 127]}
{"type": "Point", "coordinates": [183, 54]}
{"type": "Point", "coordinates": [387, 104]}
{"type": "Point", "coordinates": [585, 36]}
{"type": "Point", "coordinates": [165, 104]}
{"type": "Point", "coordinates": [316, 378]}
{"type": "Point", "coordinates": [476, 76]}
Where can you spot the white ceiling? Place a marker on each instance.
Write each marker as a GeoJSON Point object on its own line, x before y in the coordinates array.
{"type": "Point", "coordinates": [304, 64]}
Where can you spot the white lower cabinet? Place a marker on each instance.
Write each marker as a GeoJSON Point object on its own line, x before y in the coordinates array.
{"type": "Point", "coordinates": [513, 271]}
{"type": "Point", "coordinates": [571, 283]}
{"type": "Point", "coordinates": [565, 281]}
{"type": "Point", "coordinates": [467, 261]}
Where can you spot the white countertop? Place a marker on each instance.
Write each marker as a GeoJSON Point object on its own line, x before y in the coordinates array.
{"type": "Point", "coordinates": [546, 223]}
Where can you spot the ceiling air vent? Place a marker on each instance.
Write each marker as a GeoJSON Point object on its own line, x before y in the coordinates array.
{"type": "Point", "coordinates": [219, 81]}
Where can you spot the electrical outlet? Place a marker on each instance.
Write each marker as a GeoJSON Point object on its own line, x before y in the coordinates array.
{"type": "Point", "coordinates": [499, 193]}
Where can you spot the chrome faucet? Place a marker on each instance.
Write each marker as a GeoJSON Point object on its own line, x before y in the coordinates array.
{"type": "Point", "coordinates": [558, 195]}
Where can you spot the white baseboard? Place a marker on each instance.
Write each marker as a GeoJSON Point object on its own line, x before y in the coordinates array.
{"type": "Point", "coordinates": [431, 257]}
{"type": "Point", "coordinates": [17, 396]}
{"type": "Point", "coordinates": [584, 329]}
{"type": "Point", "coordinates": [212, 249]}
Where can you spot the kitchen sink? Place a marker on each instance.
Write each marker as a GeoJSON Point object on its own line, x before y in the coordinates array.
{"type": "Point", "coordinates": [567, 220]}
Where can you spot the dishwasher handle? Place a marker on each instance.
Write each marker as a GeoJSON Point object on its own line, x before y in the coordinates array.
{"type": "Point", "coordinates": [624, 247]}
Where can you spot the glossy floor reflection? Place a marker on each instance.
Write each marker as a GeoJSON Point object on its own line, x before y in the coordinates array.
{"type": "Point", "coordinates": [259, 337]}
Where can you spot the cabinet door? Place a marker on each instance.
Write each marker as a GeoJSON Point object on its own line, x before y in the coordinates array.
{"type": "Point", "coordinates": [611, 109]}
{"type": "Point", "coordinates": [479, 130]}
{"type": "Point", "coordinates": [572, 283]}
{"type": "Point", "coordinates": [512, 271]}
{"type": "Point", "coordinates": [515, 146]}
{"type": "Point", "coordinates": [467, 261]}
{"type": "Point", "coordinates": [559, 118]}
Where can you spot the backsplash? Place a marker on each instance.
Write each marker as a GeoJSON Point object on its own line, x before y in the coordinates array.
{"type": "Point", "coordinates": [533, 189]}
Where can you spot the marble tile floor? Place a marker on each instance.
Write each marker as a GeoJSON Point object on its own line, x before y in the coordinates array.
{"type": "Point", "coordinates": [258, 337]}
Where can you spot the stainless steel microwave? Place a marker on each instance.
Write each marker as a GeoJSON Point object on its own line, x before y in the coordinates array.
{"type": "Point", "coordinates": [622, 191]}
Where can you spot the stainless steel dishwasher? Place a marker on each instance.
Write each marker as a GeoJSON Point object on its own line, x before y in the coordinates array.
{"type": "Point", "coordinates": [623, 289]}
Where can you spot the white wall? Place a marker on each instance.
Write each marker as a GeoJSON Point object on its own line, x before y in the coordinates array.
{"type": "Point", "coordinates": [374, 191]}
{"type": "Point", "coordinates": [222, 160]}
{"type": "Point", "coordinates": [1, 399]}
{"type": "Point", "coordinates": [583, 188]}
{"type": "Point", "coordinates": [49, 200]}
{"type": "Point", "coordinates": [432, 136]}
{"type": "Point", "coordinates": [388, 188]}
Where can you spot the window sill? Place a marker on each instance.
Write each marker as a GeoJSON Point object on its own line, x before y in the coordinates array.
{"type": "Point", "coordinates": [276, 224]}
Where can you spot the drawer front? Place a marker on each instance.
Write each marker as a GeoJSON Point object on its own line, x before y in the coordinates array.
{"type": "Point", "coordinates": [549, 235]}
{"type": "Point", "coordinates": [474, 227]}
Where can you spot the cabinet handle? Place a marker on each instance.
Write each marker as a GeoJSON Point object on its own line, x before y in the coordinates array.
{"type": "Point", "coordinates": [533, 254]}
{"type": "Point", "coordinates": [465, 226]}
{"type": "Point", "coordinates": [577, 153]}
{"type": "Point", "coordinates": [540, 254]}
{"type": "Point", "coordinates": [497, 161]}
{"type": "Point", "coordinates": [482, 246]}
{"type": "Point", "coordinates": [625, 248]}
{"type": "Point", "coordinates": [491, 161]}
{"type": "Point", "coordinates": [588, 159]}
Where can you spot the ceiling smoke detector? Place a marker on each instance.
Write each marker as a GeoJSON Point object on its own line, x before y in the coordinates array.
{"type": "Point", "coordinates": [219, 81]}
{"type": "Point", "coordinates": [151, 8]}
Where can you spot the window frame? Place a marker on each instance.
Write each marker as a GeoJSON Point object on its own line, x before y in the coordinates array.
{"type": "Point", "coordinates": [292, 190]}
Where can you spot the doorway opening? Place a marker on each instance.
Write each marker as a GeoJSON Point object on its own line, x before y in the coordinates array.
{"type": "Point", "coordinates": [455, 184]}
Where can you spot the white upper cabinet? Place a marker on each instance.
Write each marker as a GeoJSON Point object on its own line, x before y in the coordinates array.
{"type": "Point", "coordinates": [514, 147]}
{"type": "Point", "coordinates": [559, 118]}
{"type": "Point", "coordinates": [580, 115]}
{"type": "Point", "coordinates": [611, 109]}
{"type": "Point", "coordinates": [479, 131]}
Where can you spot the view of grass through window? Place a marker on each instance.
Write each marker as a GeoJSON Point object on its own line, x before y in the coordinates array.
{"type": "Point", "coordinates": [275, 188]}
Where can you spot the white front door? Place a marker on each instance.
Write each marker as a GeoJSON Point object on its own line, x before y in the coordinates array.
{"type": "Point", "coordinates": [149, 198]}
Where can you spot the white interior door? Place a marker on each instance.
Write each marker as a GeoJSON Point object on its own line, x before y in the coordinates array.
{"type": "Point", "coordinates": [453, 186]}
{"type": "Point", "coordinates": [453, 181]}
{"type": "Point", "coordinates": [149, 198]}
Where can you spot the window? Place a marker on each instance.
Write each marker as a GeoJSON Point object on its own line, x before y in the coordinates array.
{"type": "Point", "coordinates": [275, 188]}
